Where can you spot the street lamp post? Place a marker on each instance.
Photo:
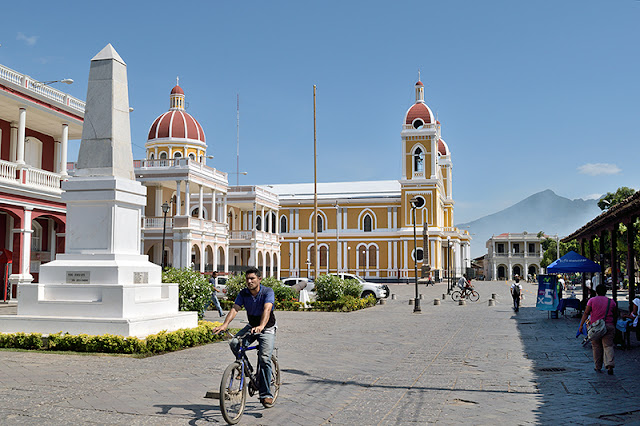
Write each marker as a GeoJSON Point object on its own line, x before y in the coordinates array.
{"type": "Point", "coordinates": [448, 266]}
{"type": "Point", "coordinates": [416, 305]}
{"type": "Point", "coordinates": [299, 256]}
{"type": "Point", "coordinates": [165, 210]}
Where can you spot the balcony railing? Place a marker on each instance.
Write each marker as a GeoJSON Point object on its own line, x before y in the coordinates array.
{"type": "Point", "coordinates": [194, 223]}
{"type": "Point", "coordinates": [30, 177]}
{"type": "Point", "coordinates": [254, 235]}
{"type": "Point", "coordinates": [178, 163]}
{"type": "Point", "coordinates": [30, 85]}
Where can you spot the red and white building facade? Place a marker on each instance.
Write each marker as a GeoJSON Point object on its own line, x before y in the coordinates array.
{"type": "Point", "coordinates": [36, 123]}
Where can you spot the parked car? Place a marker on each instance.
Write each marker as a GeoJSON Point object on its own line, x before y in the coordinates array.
{"type": "Point", "coordinates": [310, 285]}
{"type": "Point", "coordinates": [378, 290]}
{"type": "Point", "coordinates": [221, 284]}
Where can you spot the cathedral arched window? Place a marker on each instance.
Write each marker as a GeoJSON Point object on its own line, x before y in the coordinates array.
{"type": "Point", "coordinates": [258, 223]}
{"type": "Point", "coordinates": [283, 224]}
{"type": "Point", "coordinates": [320, 223]}
{"type": "Point", "coordinates": [418, 160]}
{"type": "Point", "coordinates": [177, 155]}
{"type": "Point", "coordinates": [151, 157]}
{"type": "Point", "coordinates": [192, 157]}
{"type": "Point", "coordinates": [163, 155]}
{"type": "Point", "coordinates": [368, 223]}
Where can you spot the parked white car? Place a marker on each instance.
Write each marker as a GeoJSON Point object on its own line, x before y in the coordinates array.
{"type": "Point", "coordinates": [310, 284]}
{"type": "Point", "coordinates": [221, 284]}
{"type": "Point", "coordinates": [378, 290]}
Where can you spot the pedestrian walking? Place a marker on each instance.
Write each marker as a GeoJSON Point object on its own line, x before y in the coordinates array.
{"type": "Point", "coordinates": [602, 308]}
{"type": "Point", "coordinates": [516, 293]}
{"type": "Point", "coordinates": [214, 296]}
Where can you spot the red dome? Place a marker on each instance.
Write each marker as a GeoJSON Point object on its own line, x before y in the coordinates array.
{"type": "Point", "coordinates": [177, 90]}
{"type": "Point", "coordinates": [419, 83]}
{"type": "Point", "coordinates": [418, 110]}
{"type": "Point", "coordinates": [176, 124]}
{"type": "Point", "coordinates": [443, 149]}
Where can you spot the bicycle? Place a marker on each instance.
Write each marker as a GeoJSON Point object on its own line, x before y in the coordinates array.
{"type": "Point", "coordinates": [466, 293]}
{"type": "Point", "coordinates": [239, 379]}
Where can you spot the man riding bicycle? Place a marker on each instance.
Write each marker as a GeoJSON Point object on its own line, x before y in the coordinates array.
{"type": "Point", "coordinates": [259, 302]}
{"type": "Point", "coordinates": [463, 284]}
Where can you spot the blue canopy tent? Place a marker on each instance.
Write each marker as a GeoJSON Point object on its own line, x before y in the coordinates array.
{"type": "Point", "coordinates": [573, 262]}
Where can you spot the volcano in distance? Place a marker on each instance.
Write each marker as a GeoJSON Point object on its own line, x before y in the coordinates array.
{"type": "Point", "coordinates": [545, 211]}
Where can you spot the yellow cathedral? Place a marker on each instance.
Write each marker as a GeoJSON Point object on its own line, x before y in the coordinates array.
{"type": "Point", "coordinates": [366, 227]}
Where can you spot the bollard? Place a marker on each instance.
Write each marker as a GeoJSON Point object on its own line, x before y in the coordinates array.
{"type": "Point", "coordinates": [492, 302]}
{"type": "Point", "coordinates": [436, 301]}
{"type": "Point", "coordinates": [462, 302]}
{"type": "Point", "coordinates": [393, 297]}
{"type": "Point", "coordinates": [383, 301]}
{"type": "Point", "coordinates": [420, 296]}
{"type": "Point", "coordinates": [494, 296]}
{"type": "Point", "coordinates": [411, 301]}
{"type": "Point", "coordinates": [444, 296]}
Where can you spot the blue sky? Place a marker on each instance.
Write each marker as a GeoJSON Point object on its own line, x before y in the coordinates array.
{"type": "Point", "coordinates": [531, 95]}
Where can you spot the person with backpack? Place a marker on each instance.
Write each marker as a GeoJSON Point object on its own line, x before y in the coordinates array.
{"type": "Point", "coordinates": [603, 312]}
{"type": "Point", "coordinates": [516, 291]}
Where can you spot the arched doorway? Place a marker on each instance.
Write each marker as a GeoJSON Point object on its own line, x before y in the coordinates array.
{"type": "Point", "coordinates": [208, 255]}
{"type": "Point", "coordinates": [195, 257]}
{"type": "Point", "coordinates": [221, 261]}
{"type": "Point", "coordinates": [502, 272]}
{"type": "Point", "coordinates": [517, 270]}
{"type": "Point", "coordinates": [267, 270]}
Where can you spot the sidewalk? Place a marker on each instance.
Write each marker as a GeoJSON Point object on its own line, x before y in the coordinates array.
{"type": "Point", "coordinates": [451, 364]}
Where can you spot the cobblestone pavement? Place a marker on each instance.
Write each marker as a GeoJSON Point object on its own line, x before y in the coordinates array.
{"type": "Point", "coordinates": [452, 364]}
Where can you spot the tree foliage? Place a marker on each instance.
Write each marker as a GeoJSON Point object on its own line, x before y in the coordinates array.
{"type": "Point", "coordinates": [613, 198]}
{"type": "Point", "coordinates": [194, 288]}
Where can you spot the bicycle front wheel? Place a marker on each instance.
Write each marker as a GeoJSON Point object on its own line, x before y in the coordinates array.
{"type": "Point", "coordinates": [275, 380]}
{"type": "Point", "coordinates": [456, 295]}
{"type": "Point", "coordinates": [233, 393]}
{"type": "Point", "coordinates": [474, 296]}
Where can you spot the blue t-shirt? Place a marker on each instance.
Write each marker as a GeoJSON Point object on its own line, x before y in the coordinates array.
{"type": "Point", "coordinates": [255, 305]}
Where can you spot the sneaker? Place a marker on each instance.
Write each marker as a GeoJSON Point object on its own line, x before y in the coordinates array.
{"type": "Point", "coordinates": [610, 371]}
{"type": "Point", "coordinates": [267, 402]}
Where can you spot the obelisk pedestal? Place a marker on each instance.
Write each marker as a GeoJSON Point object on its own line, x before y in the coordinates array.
{"type": "Point", "coordinates": [102, 284]}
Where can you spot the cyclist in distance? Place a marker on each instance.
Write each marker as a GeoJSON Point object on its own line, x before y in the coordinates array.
{"type": "Point", "coordinates": [259, 302]}
{"type": "Point", "coordinates": [463, 284]}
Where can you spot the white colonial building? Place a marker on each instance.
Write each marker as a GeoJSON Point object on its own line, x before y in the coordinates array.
{"type": "Point", "coordinates": [512, 254]}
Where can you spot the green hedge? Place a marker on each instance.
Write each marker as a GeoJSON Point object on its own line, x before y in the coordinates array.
{"type": "Point", "coordinates": [343, 304]}
{"type": "Point", "coordinates": [107, 343]}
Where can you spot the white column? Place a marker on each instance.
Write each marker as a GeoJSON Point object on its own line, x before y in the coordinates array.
{"type": "Point", "coordinates": [13, 141]}
{"type": "Point", "coordinates": [155, 153]}
{"type": "Point", "coordinates": [178, 198]}
{"type": "Point", "coordinates": [253, 218]}
{"type": "Point", "coordinates": [277, 224]}
{"type": "Point", "coordinates": [159, 202]}
{"type": "Point", "coordinates": [21, 135]}
{"type": "Point", "coordinates": [292, 258]}
{"type": "Point", "coordinates": [395, 218]}
{"type": "Point", "coordinates": [264, 222]}
{"type": "Point", "coordinates": [389, 217]}
{"type": "Point", "coordinates": [395, 256]}
{"type": "Point", "coordinates": [224, 215]}
{"type": "Point", "coordinates": [270, 263]}
{"type": "Point", "coordinates": [187, 198]}
{"type": "Point", "coordinates": [64, 143]}
{"type": "Point", "coordinates": [226, 258]}
{"type": "Point", "coordinates": [389, 258]}
{"type": "Point", "coordinates": [215, 216]}
{"type": "Point", "coordinates": [202, 258]}
{"type": "Point", "coordinates": [291, 222]}
{"type": "Point", "coordinates": [279, 267]}
{"type": "Point", "coordinates": [434, 157]}
{"type": "Point", "coordinates": [201, 205]}
{"type": "Point", "coordinates": [405, 264]}
{"type": "Point", "coordinates": [185, 153]}
{"type": "Point", "coordinates": [25, 261]}
{"type": "Point", "coordinates": [52, 239]}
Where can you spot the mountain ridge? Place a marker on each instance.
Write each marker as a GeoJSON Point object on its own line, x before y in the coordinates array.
{"type": "Point", "coordinates": [543, 211]}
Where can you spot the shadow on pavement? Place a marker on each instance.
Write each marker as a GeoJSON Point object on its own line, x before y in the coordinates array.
{"type": "Point", "coordinates": [563, 372]}
{"type": "Point", "coordinates": [209, 413]}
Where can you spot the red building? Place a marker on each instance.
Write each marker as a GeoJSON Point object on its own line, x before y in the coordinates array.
{"type": "Point", "coordinates": [36, 123]}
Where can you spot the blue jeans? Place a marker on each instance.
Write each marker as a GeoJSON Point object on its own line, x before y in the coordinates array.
{"type": "Point", "coordinates": [216, 302]}
{"type": "Point", "coordinates": [266, 343]}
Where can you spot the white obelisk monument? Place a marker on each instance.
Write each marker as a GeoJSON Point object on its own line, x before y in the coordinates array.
{"type": "Point", "coordinates": [101, 284]}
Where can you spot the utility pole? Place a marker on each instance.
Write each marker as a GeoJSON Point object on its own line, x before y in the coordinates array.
{"type": "Point", "coordinates": [315, 189]}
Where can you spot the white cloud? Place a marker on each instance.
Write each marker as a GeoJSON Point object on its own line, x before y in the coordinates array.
{"type": "Point", "coordinates": [592, 196]}
{"type": "Point", "coordinates": [595, 169]}
{"type": "Point", "coordinates": [31, 41]}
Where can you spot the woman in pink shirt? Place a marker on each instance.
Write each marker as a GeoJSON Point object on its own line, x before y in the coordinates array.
{"type": "Point", "coordinates": [602, 307]}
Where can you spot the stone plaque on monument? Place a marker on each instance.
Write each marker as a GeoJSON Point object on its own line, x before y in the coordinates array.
{"type": "Point", "coordinates": [140, 277]}
{"type": "Point", "coordinates": [78, 277]}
